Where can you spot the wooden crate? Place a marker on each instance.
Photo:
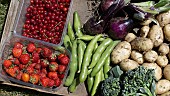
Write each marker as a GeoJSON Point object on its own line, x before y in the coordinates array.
{"type": "Point", "coordinates": [79, 5]}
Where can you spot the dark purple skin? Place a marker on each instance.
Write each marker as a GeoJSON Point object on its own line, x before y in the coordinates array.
{"type": "Point", "coordinates": [97, 24]}
{"type": "Point", "coordinates": [92, 28]}
{"type": "Point", "coordinates": [105, 4]}
{"type": "Point", "coordinates": [119, 27]}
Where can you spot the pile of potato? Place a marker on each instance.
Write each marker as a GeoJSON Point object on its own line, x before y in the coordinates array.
{"type": "Point", "coordinates": [149, 49]}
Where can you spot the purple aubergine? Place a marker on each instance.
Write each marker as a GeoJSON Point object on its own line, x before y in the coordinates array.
{"type": "Point", "coordinates": [105, 4]}
{"type": "Point", "coordinates": [93, 28]}
{"type": "Point", "coordinates": [96, 24]}
{"type": "Point", "coordinates": [119, 27]}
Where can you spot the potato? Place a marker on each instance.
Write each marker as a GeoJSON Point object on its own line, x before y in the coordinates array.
{"type": "Point", "coordinates": [162, 86]}
{"type": "Point", "coordinates": [162, 61]}
{"type": "Point", "coordinates": [136, 56]}
{"type": "Point", "coordinates": [166, 72]}
{"type": "Point", "coordinates": [128, 64]}
{"type": "Point", "coordinates": [120, 52]}
{"type": "Point", "coordinates": [166, 94]}
{"type": "Point", "coordinates": [129, 37]}
{"type": "Point", "coordinates": [142, 44]}
{"type": "Point", "coordinates": [158, 70]}
{"type": "Point", "coordinates": [146, 22]}
{"type": "Point", "coordinates": [144, 31]}
{"type": "Point", "coordinates": [150, 56]}
{"type": "Point", "coordinates": [163, 18]}
{"type": "Point", "coordinates": [166, 31]}
{"type": "Point", "coordinates": [163, 49]}
{"type": "Point", "coordinates": [156, 35]}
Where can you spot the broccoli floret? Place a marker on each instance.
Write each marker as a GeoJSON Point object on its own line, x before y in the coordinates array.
{"type": "Point", "coordinates": [110, 87]}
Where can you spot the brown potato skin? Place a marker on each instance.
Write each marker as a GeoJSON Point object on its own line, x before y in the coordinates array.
{"type": "Point", "coordinates": [158, 70]}
{"type": "Point", "coordinates": [162, 61]}
{"type": "Point", "coordinates": [166, 31]}
{"type": "Point", "coordinates": [163, 49]}
{"type": "Point", "coordinates": [151, 56]}
{"type": "Point", "coordinates": [137, 56]}
{"type": "Point", "coordinates": [120, 52]}
{"type": "Point", "coordinates": [166, 72]}
{"type": "Point", "coordinates": [166, 94]}
{"type": "Point", "coordinates": [129, 37]}
{"type": "Point", "coordinates": [128, 64]}
{"type": "Point", "coordinates": [156, 35]}
{"type": "Point", "coordinates": [163, 18]}
{"type": "Point", "coordinates": [142, 44]}
{"type": "Point", "coordinates": [162, 86]}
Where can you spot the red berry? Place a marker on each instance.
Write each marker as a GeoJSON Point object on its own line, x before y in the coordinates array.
{"type": "Point", "coordinates": [31, 47]}
{"type": "Point", "coordinates": [61, 69]}
{"type": "Point", "coordinates": [17, 52]}
{"type": "Point", "coordinates": [44, 81]}
{"type": "Point", "coordinates": [46, 52]}
{"type": "Point", "coordinates": [16, 61]}
{"type": "Point", "coordinates": [53, 75]}
{"type": "Point", "coordinates": [44, 63]}
{"type": "Point", "coordinates": [53, 66]}
{"type": "Point", "coordinates": [57, 82]}
{"type": "Point", "coordinates": [7, 63]}
{"type": "Point", "coordinates": [64, 60]}
{"type": "Point", "coordinates": [18, 45]}
{"type": "Point", "coordinates": [35, 57]}
{"type": "Point", "coordinates": [24, 58]}
{"type": "Point", "coordinates": [51, 83]}
{"type": "Point", "coordinates": [52, 57]}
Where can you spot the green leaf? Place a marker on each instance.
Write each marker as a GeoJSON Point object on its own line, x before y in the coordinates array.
{"type": "Point", "coordinates": [115, 72]}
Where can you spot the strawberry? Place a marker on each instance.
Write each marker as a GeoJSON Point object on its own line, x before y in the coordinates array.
{"type": "Point", "coordinates": [42, 75]}
{"type": "Point", "coordinates": [17, 52]}
{"type": "Point", "coordinates": [30, 70]}
{"type": "Point", "coordinates": [61, 69]}
{"type": "Point", "coordinates": [38, 50]}
{"type": "Point", "coordinates": [52, 57]}
{"type": "Point", "coordinates": [52, 75]}
{"type": "Point", "coordinates": [44, 81]}
{"type": "Point", "coordinates": [7, 63]}
{"type": "Point", "coordinates": [44, 70]}
{"type": "Point", "coordinates": [31, 47]}
{"type": "Point", "coordinates": [51, 83]}
{"type": "Point", "coordinates": [53, 66]}
{"type": "Point", "coordinates": [32, 65]}
{"type": "Point", "coordinates": [18, 45]}
{"type": "Point", "coordinates": [11, 72]}
{"type": "Point", "coordinates": [24, 58]}
{"type": "Point", "coordinates": [37, 66]}
{"type": "Point", "coordinates": [37, 71]}
{"type": "Point", "coordinates": [46, 52]}
{"type": "Point", "coordinates": [19, 75]}
{"type": "Point", "coordinates": [57, 82]}
{"type": "Point", "coordinates": [21, 66]}
{"type": "Point", "coordinates": [61, 76]}
{"type": "Point", "coordinates": [34, 78]}
{"type": "Point", "coordinates": [44, 63]}
{"type": "Point", "coordinates": [60, 56]}
{"type": "Point", "coordinates": [16, 61]}
{"type": "Point", "coordinates": [35, 57]}
{"type": "Point", "coordinates": [64, 60]}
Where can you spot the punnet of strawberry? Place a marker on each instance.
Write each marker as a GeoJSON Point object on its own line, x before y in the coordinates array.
{"type": "Point", "coordinates": [38, 65]}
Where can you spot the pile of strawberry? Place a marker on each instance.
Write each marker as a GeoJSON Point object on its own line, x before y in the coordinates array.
{"type": "Point", "coordinates": [37, 65]}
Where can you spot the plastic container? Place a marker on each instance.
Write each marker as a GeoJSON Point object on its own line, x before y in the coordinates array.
{"type": "Point", "coordinates": [8, 45]}
{"type": "Point", "coordinates": [20, 20]}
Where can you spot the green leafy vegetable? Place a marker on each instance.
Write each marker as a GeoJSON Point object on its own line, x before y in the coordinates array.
{"type": "Point", "coordinates": [136, 82]}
